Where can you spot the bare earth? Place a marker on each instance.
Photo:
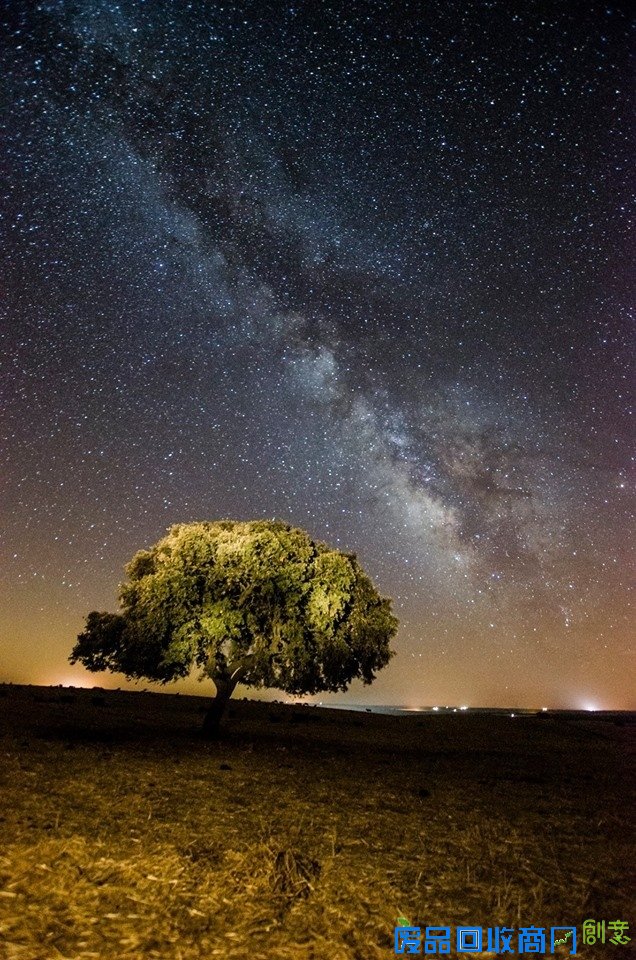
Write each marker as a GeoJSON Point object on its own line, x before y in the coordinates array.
{"type": "Point", "coordinates": [303, 833]}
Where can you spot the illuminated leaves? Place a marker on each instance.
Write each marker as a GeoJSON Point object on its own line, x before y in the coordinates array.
{"type": "Point", "coordinates": [213, 594]}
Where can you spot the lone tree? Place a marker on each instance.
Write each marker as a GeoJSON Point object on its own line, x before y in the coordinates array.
{"type": "Point", "coordinates": [257, 602]}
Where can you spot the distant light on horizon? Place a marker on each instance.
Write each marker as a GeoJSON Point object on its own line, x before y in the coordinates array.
{"type": "Point", "coordinates": [66, 681]}
{"type": "Point", "coordinates": [590, 706]}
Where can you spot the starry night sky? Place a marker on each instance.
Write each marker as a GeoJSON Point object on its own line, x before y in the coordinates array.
{"type": "Point", "coordinates": [360, 266]}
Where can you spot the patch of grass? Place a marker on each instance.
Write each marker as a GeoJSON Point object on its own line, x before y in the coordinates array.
{"type": "Point", "coordinates": [124, 835]}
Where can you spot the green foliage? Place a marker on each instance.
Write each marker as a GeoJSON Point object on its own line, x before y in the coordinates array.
{"type": "Point", "coordinates": [297, 615]}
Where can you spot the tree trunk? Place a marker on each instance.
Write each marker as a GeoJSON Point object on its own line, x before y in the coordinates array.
{"type": "Point", "coordinates": [212, 719]}
{"type": "Point", "coordinates": [224, 689]}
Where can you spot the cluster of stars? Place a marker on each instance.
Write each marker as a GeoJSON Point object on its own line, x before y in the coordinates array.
{"type": "Point", "coordinates": [360, 269]}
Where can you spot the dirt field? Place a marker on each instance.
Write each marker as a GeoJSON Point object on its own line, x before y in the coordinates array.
{"type": "Point", "coordinates": [303, 833]}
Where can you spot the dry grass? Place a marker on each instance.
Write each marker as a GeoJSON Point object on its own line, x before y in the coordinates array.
{"type": "Point", "coordinates": [303, 833]}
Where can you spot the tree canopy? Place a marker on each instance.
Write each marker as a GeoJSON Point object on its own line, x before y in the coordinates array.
{"type": "Point", "coordinates": [257, 601]}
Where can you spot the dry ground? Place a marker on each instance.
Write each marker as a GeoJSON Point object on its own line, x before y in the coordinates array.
{"type": "Point", "coordinates": [304, 832]}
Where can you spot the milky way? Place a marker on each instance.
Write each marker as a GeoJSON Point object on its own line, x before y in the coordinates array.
{"type": "Point", "coordinates": [362, 267]}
